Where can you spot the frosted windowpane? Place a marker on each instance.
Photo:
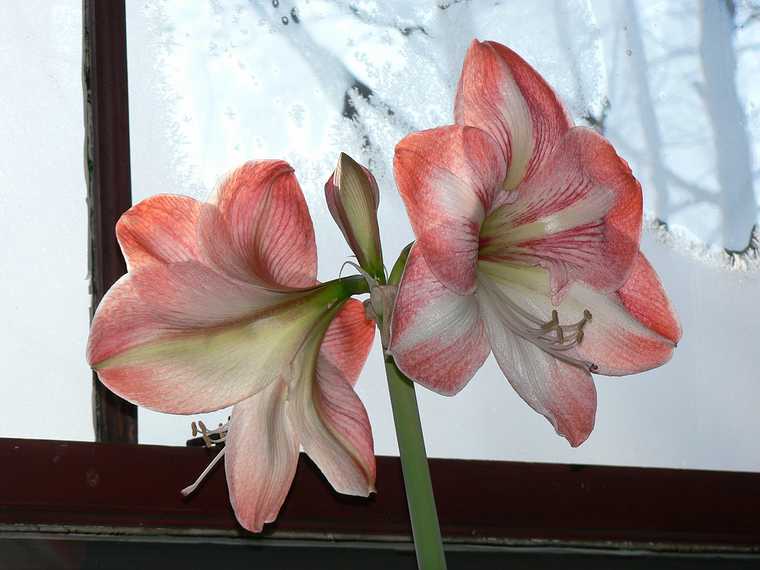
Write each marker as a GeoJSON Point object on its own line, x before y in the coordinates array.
{"type": "Point", "coordinates": [46, 383]}
{"type": "Point", "coordinates": [674, 85]}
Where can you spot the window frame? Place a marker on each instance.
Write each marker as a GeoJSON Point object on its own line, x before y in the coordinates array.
{"type": "Point", "coordinates": [114, 486]}
{"type": "Point", "coordinates": [134, 489]}
{"type": "Point", "coordinates": [109, 190]}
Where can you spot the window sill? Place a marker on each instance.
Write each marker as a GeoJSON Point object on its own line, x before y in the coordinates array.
{"type": "Point", "coordinates": [129, 489]}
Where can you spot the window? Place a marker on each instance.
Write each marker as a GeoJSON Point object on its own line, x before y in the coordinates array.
{"type": "Point", "coordinates": [302, 81]}
{"type": "Point", "coordinates": [184, 136]}
{"type": "Point", "coordinates": [43, 216]}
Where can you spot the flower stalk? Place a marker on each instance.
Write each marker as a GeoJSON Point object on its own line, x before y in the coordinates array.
{"type": "Point", "coordinates": [419, 489]}
{"type": "Point", "coordinates": [414, 465]}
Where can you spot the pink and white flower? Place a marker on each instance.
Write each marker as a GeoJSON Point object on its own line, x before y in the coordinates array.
{"type": "Point", "coordinates": [221, 306]}
{"type": "Point", "coordinates": [527, 245]}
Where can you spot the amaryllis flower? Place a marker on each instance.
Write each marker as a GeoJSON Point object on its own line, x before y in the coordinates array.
{"type": "Point", "coordinates": [528, 246]}
{"type": "Point", "coordinates": [221, 306]}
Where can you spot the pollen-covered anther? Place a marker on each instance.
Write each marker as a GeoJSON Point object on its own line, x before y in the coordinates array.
{"type": "Point", "coordinates": [565, 335]}
{"type": "Point", "coordinates": [210, 437]}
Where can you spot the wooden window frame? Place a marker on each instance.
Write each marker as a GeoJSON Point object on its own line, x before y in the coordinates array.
{"type": "Point", "coordinates": [135, 489]}
{"type": "Point", "coordinates": [127, 488]}
{"type": "Point", "coordinates": [109, 191]}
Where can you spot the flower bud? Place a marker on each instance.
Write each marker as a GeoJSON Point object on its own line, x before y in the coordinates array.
{"type": "Point", "coordinates": [353, 198]}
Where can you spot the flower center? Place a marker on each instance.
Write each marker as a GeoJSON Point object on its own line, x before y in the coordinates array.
{"type": "Point", "coordinates": [551, 335]}
{"type": "Point", "coordinates": [503, 231]}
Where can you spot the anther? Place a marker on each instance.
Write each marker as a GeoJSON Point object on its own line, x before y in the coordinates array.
{"type": "Point", "coordinates": [210, 437]}
{"type": "Point", "coordinates": [553, 323]}
{"type": "Point", "coordinates": [582, 323]}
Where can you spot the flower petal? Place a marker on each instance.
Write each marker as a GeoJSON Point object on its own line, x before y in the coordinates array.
{"type": "Point", "coordinates": [260, 229]}
{"type": "Point", "coordinates": [437, 336]}
{"type": "Point", "coordinates": [261, 456]}
{"type": "Point", "coordinates": [645, 299]}
{"type": "Point", "coordinates": [181, 338]}
{"type": "Point", "coordinates": [563, 393]}
{"type": "Point", "coordinates": [447, 178]}
{"type": "Point", "coordinates": [615, 341]}
{"type": "Point", "coordinates": [333, 427]}
{"type": "Point", "coordinates": [631, 331]}
{"type": "Point", "coordinates": [503, 95]}
{"type": "Point", "coordinates": [580, 216]}
{"type": "Point", "coordinates": [160, 229]}
{"type": "Point", "coordinates": [348, 340]}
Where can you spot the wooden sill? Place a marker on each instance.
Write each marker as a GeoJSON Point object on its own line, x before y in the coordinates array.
{"type": "Point", "coordinates": [135, 489]}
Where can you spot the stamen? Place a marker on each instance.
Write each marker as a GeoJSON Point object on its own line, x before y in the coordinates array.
{"type": "Point", "coordinates": [191, 488]}
{"type": "Point", "coordinates": [211, 438]}
{"type": "Point", "coordinates": [551, 336]}
{"type": "Point", "coordinates": [558, 328]}
{"type": "Point", "coordinates": [554, 323]}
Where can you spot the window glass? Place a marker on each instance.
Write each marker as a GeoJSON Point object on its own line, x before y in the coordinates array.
{"type": "Point", "coordinates": [673, 85]}
{"type": "Point", "coordinates": [46, 383]}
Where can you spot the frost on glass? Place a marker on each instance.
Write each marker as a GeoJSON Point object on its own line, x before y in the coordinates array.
{"type": "Point", "coordinates": [45, 382]}
{"type": "Point", "coordinates": [673, 85]}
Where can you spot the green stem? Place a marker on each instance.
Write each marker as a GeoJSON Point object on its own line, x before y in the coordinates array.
{"type": "Point", "coordinates": [419, 490]}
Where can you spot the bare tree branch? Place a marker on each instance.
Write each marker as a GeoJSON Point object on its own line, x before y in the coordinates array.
{"type": "Point", "coordinates": [726, 114]}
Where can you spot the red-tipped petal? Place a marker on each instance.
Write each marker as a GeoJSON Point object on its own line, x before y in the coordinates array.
{"type": "Point", "coordinates": [261, 456]}
{"type": "Point", "coordinates": [502, 94]}
{"type": "Point", "coordinates": [645, 299]}
{"type": "Point", "coordinates": [160, 229]}
{"type": "Point", "coordinates": [334, 429]}
{"type": "Point", "coordinates": [632, 330]}
{"type": "Point", "coordinates": [437, 336]}
{"type": "Point", "coordinates": [181, 338]}
{"type": "Point", "coordinates": [447, 177]}
{"type": "Point", "coordinates": [561, 392]}
{"type": "Point", "coordinates": [580, 216]}
{"type": "Point", "coordinates": [348, 340]}
{"type": "Point", "coordinates": [260, 229]}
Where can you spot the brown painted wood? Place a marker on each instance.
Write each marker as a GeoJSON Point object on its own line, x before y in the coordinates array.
{"type": "Point", "coordinates": [108, 175]}
{"type": "Point", "coordinates": [48, 482]}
